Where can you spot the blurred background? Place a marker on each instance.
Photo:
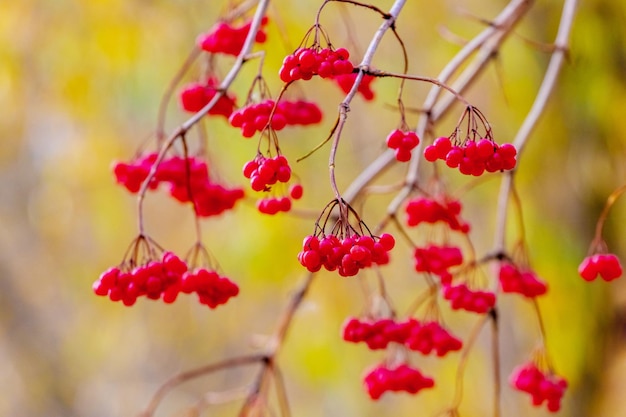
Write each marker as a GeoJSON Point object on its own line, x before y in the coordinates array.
{"type": "Point", "coordinates": [80, 84]}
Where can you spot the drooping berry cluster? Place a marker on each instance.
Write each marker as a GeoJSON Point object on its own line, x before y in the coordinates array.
{"type": "Point", "coordinates": [401, 378]}
{"type": "Point", "coordinates": [426, 210]}
{"type": "Point", "coordinates": [462, 297]}
{"type": "Point", "coordinates": [607, 265]}
{"type": "Point", "coordinates": [195, 96]}
{"type": "Point", "coordinates": [438, 260]}
{"type": "Point", "coordinates": [403, 143]}
{"type": "Point", "coordinates": [182, 176]}
{"type": "Point", "coordinates": [348, 255]}
{"type": "Point", "coordinates": [164, 279]}
{"type": "Point", "coordinates": [512, 280]}
{"type": "Point", "coordinates": [346, 82]}
{"type": "Point", "coordinates": [212, 289]}
{"type": "Point", "coordinates": [274, 205]}
{"type": "Point", "coordinates": [225, 38]}
{"type": "Point", "coordinates": [473, 158]}
{"type": "Point", "coordinates": [300, 112]}
{"type": "Point", "coordinates": [542, 387]}
{"type": "Point", "coordinates": [304, 63]}
{"type": "Point", "coordinates": [424, 337]}
{"type": "Point", "coordinates": [264, 172]}
{"type": "Point", "coordinates": [255, 117]}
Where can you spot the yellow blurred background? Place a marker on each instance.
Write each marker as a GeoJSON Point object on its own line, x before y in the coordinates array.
{"type": "Point", "coordinates": [80, 84]}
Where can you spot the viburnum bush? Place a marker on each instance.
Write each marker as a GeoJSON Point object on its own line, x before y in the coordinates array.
{"type": "Point", "coordinates": [426, 230]}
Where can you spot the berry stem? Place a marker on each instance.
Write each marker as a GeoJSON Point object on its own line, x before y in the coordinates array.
{"type": "Point", "coordinates": [185, 376]}
{"type": "Point", "coordinates": [458, 395]}
{"type": "Point", "coordinates": [610, 201]}
{"type": "Point", "coordinates": [530, 122]}
{"type": "Point", "coordinates": [160, 130]}
{"type": "Point", "coordinates": [344, 107]}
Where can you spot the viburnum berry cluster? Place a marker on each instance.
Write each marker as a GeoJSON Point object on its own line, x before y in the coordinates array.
{"type": "Point", "coordinates": [543, 387]}
{"type": "Point", "coordinates": [438, 260]}
{"type": "Point", "coordinates": [400, 378]}
{"type": "Point", "coordinates": [429, 210]}
{"type": "Point", "coordinates": [473, 158]}
{"type": "Point", "coordinates": [228, 39]}
{"type": "Point", "coordinates": [607, 265]}
{"type": "Point", "coordinates": [512, 280]}
{"type": "Point", "coordinates": [346, 82]}
{"type": "Point", "coordinates": [402, 143]}
{"type": "Point", "coordinates": [304, 63]}
{"type": "Point", "coordinates": [194, 96]}
{"type": "Point", "coordinates": [264, 172]}
{"type": "Point", "coordinates": [347, 255]}
{"type": "Point", "coordinates": [255, 117]}
{"type": "Point", "coordinates": [164, 279]}
{"type": "Point", "coordinates": [464, 298]}
{"type": "Point", "coordinates": [423, 337]}
{"type": "Point", "coordinates": [187, 179]}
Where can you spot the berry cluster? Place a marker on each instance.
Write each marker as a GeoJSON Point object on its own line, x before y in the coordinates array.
{"type": "Point", "coordinates": [347, 255]}
{"type": "Point", "coordinates": [264, 172]}
{"type": "Point", "coordinates": [226, 39]}
{"type": "Point", "coordinates": [182, 176]}
{"type": "Point", "coordinates": [304, 63]}
{"type": "Point", "coordinates": [437, 260]}
{"type": "Point", "coordinates": [256, 117]}
{"type": "Point", "coordinates": [403, 143]}
{"type": "Point", "coordinates": [273, 205]}
{"type": "Point", "coordinates": [607, 265]}
{"type": "Point", "coordinates": [473, 158]}
{"type": "Point", "coordinates": [300, 112]}
{"type": "Point", "coordinates": [164, 279]}
{"type": "Point", "coordinates": [212, 289]}
{"type": "Point", "coordinates": [512, 280]}
{"type": "Point", "coordinates": [426, 210]}
{"type": "Point", "coordinates": [195, 96]}
{"type": "Point", "coordinates": [543, 388]}
{"type": "Point", "coordinates": [461, 297]}
{"type": "Point", "coordinates": [421, 337]}
{"type": "Point", "coordinates": [402, 378]}
{"type": "Point", "coordinates": [346, 81]}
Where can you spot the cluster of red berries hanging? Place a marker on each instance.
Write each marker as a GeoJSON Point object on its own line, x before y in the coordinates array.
{"type": "Point", "coordinates": [607, 265]}
{"type": "Point", "coordinates": [347, 255]}
{"type": "Point", "coordinates": [512, 280]}
{"type": "Point", "coordinates": [473, 158]}
{"type": "Point", "coordinates": [195, 96]}
{"type": "Point", "coordinates": [346, 82]}
{"type": "Point", "coordinates": [402, 143]}
{"type": "Point", "coordinates": [164, 279]}
{"type": "Point", "coordinates": [475, 153]}
{"type": "Point", "coordinates": [182, 176]}
{"type": "Point", "coordinates": [543, 387]}
{"type": "Point", "coordinates": [273, 205]}
{"type": "Point", "coordinates": [401, 378]}
{"type": "Point", "coordinates": [255, 117]}
{"type": "Point", "coordinates": [304, 63]}
{"type": "Point", "coordinates": [264, 172]}
{"type": "Point", "coordinates": [225, 38]}
{"type": "Point", "coordinates": [431, 210]}
{"type": "Point", "coordinates": [438, 260]}
{"type": "Point", "coordinates": [423, 337]}
{"type": "Point", "coordinates": [463, 298]}
{"type": "Point", "coordinates": [347, 248]}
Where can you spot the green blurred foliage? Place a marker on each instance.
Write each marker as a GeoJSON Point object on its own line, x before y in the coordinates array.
{"type": "Point", "coordinates": [80, 84]}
